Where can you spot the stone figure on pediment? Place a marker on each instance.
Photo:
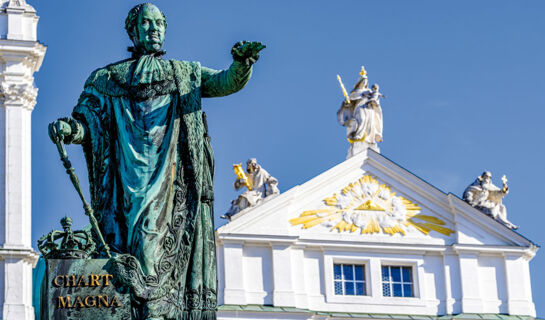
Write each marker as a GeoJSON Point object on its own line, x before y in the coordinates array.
{"type": "Point", "coordinates": [483, 195]}
{"type": "Point", "coordinates": [259, 183]}
{"type": "Point", "coordinates": [361, 114]}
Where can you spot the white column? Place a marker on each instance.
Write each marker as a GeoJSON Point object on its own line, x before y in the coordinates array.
{"type": "Point", "coordinates": [452, 286]}
{"type": "Point", "coordinates": [283, 295]}
{"type": "Point", "coordinates": [519, 292]}
{"type": "Point", "coordinates": [298, 271]}
{"type": "Point", "coordinates": [233, 266]}
{"type": "Point", "coordinates": [469, 278]}
{"type": "Point", "coordinates": [20, 56]}
{"type": "Point", "coordinates": [375, 269]}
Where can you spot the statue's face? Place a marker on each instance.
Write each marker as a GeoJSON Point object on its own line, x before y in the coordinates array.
{"type": "Point", "coordinates": [150, 29]}
{"type": "Point", "coordinates": [251, 167]}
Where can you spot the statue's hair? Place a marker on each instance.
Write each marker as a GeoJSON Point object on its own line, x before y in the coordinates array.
{"type": "Point", "coordinates": [132, 17]}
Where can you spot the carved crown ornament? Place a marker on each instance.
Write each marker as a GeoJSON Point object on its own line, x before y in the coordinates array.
{"type": "Point", "coordinates": [368, 207]}
{"type": "Point", "coordinates": [67, 244]}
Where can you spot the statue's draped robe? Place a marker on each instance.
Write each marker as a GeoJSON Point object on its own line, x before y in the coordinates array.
{"type": "Point", "coordinates": [367, 116]}
{"type": "Point", "coordinates": [150, 170]}
{"type": "Point", "coordinates": [362, 118]}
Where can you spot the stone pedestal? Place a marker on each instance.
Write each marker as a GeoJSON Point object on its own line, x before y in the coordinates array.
{"type": "Point", "coordinates": [82, 289]}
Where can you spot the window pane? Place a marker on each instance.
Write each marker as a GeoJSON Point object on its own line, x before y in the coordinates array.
{"type": "Point", "coordinates": [385, 273]}
{"type": "Point", "coordinates": [407, 277]}
{"type": "Point", "coordinates": [348, 272]}
{"type": "Point", "coordinates": [397, 290]}
{"type": "Point", "coordinates": [386, 290]}
{"type": "Point", "coordinates": [396, 274]}
{"type": "Point", "coordinates": [349, 288]}
{"type": "Point", "coordinates": [408, 290]}
{"type": "Point", "coordinates": [338, 287]}
{"type": "Point", "coordinates": [360, 288]}
{"type": "Point", "coordinates": [337, 272]}
{"type": "Point", "coordinates": [359, 273]}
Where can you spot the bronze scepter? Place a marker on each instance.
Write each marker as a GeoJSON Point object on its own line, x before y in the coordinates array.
{"type": "Point", "coordinates": [75, 181]}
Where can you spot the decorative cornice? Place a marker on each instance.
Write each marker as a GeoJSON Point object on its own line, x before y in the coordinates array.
{"type": "Point", "coordinates": [27, 254]}
{"type": "Point", "coordinates": [31, 53]}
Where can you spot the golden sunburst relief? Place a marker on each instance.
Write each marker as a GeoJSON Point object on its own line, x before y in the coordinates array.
{"type": "Point", "coordinates": [370, 207]}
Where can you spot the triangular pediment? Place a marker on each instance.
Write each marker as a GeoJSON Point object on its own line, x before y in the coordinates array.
{"type": "Point", "coordinates": [369, 198]}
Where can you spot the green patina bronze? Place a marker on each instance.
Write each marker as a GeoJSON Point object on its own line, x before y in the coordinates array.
{"type": "Point", "coordinates": [67, 244]}
{"type": "Point", "coordinates": [79, 289]}
{"type": "Point", "coordinates": [151, 166]}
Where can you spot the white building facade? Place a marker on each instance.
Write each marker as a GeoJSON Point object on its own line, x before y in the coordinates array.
{"type": "Point", "coordinates": [21, 55]}
{"type": "Point", "coordinates": [368, 239]}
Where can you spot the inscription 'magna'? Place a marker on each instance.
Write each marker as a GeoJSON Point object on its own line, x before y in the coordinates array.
{"type": "Point", "coordinates": [68, 302]}
{"type": "Point", "coordinates": [85, 301]}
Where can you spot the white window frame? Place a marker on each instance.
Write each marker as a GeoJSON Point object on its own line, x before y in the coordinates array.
{"type": "Point", "coordinates": [329, 279]}
{"type": "Point", "coordinates": [402, 282]}
{"type": "Point", "coordinates": [373, 278]}
{"type": "Point", "coordinates": [353, 281]}
{"type": "Point", "coordinates": [414, 273]}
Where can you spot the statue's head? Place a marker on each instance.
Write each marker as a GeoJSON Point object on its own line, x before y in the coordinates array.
{"type": "Point", "coordinates": [486, 177]}
{"type": "Point", "coordinates": [251, 165]}
{"type": "Point", "coordinates": [375, 87]}
{"type": "Point", "coordinates": [363, 83]}
{"type": "Point", "coordinates": [146, 26]}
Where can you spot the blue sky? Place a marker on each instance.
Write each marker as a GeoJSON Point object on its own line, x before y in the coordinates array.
{"type": "Point", "coordinates": [464, 85]}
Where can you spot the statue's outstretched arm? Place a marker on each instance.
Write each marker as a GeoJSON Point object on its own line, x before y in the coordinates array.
{"type": "Point", "coordinates": [218, 83]}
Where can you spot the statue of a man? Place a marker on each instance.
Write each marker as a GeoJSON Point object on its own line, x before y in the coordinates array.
{"type": "Point", "coordinates": [362, 117]}
{"type": "Point", "coordinates": [150, 166]}
{"type": "Point", "coordinates": [483, 195]}
{"type": "Point", "coordinates": [261, 183]}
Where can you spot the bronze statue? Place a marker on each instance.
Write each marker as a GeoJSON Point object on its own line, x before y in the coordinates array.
{"type": "Point", "coordinates": [150, 165]}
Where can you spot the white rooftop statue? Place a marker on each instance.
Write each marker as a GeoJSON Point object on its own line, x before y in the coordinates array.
{"type": "Point", "coordinates": [361, 114]}
{"type": "Point", "coordinates": [260, 185]}
{"type": "Point", "coordinates": [483, 195]}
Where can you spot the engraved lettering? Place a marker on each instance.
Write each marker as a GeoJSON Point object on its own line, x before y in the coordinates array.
{"type": "Point", "coordinates": [103, 301]}
{"type": "Point", "coordinates": [71, 281]}
{"type": "Point", "coordinates": [82, 282]}
{"type": "Point", "coordinates": [106, 278]}
{"type": "Point", "coordinates": [94, 280]}
{"type": "Point", "coordinates": [90, 301]}
{"type": "Point", "coordinates": [56, 281]}
{"type": "Point", "coordinates": [78, 303]}
{"type": "Point", "coordinates": [115, 302]}
{"type": "Point", "coordinates": [64, 302]}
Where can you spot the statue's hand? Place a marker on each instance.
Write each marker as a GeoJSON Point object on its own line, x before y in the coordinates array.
{"type": "Point", "coordinates": [247, 52]}
{"type": "Point", "coordinates": [60, 130]}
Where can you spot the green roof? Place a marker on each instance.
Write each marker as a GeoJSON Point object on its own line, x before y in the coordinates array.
{"type": "Point", "coordinates": [464, 316]}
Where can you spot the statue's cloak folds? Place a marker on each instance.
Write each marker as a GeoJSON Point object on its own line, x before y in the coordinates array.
{"type": "Point", "coordinates": [150, 169]}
